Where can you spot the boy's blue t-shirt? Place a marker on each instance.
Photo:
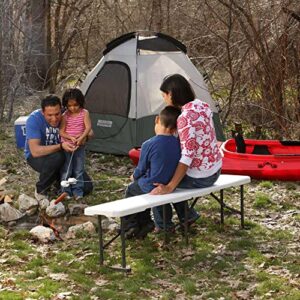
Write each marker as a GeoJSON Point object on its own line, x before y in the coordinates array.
{"type": "Point", "coordinates": [158, 161]}
{"type": "Point", "coordinates": [38, 128]}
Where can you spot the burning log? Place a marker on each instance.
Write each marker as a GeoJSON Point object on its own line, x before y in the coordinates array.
{"type": "Point", "coordinates": [61, 198]}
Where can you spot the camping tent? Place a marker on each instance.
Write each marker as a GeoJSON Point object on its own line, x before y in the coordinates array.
{"type": "Point", "coordinates": [122, 91]}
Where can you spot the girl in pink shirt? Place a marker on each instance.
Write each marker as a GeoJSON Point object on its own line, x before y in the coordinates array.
{"type": "Point", "coordinates": [74, 129]}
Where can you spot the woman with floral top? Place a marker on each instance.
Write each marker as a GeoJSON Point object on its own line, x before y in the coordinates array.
{"type": "Point", "coordinates": [200, 163]}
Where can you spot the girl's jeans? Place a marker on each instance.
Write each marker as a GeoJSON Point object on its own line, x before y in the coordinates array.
{"type": "Point", "coordinates": [74, 167]}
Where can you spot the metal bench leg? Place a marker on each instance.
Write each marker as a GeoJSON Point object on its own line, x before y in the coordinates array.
{"type": "Point", "coordinates": [186, 212]}
{"type": "Point", "coordinates": [101, 248]}
{"type": "Point", "coordinates": [123, 267]}
{"type": "Point", "coordinates": [123, 244]}
{"type": "Point", "coordinates": [222, 206]}
{"type": "Point", "coordinates": [165, 224]}
{"type": "Point", "coordinates": [242, 205]}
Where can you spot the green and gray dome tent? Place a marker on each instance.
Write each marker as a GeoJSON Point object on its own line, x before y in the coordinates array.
{"type": "Point", "coordinates": [122, 91]}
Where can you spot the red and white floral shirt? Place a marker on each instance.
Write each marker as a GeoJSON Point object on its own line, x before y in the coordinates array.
{"type": "Point", "coordinates": [199, 149]}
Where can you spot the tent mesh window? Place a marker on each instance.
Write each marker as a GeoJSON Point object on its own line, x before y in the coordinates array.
{"type": "Point", "coordinates": [109, 93]}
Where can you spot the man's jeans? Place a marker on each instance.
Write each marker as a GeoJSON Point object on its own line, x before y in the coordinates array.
{"type": "Point", "coordinates": [49, 168]}
{"type": "Point", "coordinates": [186, 183]}
{"type": "Point", "coordinates": [74, 167]}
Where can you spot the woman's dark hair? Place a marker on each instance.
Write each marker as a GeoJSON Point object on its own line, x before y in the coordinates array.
{"type": "Point", "coordinates": [73, 94]}
{"type": "Point", "coordinates": [50, 100]}
{"type": "Point", "coordinates": [180, 89]}
{"type": "Point", "coordinates": [168, 116]}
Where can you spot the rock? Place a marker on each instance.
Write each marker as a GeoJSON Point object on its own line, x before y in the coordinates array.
{"type": "Point", "coordinates": [31, 211]}
{"type": "Point", "coordinates": [55, 210]}
{"type": "Point", "coordinates": [26, 203]}
{"type": "Point", "coordinates": [110, 224]}
{"type": "Point", "coordinates": [9, 213]}
{"type": "Point", "coordinates": [77, 209]}
{"type": "Point", "coordinates": [44, 203]}
{"type": "Point", "coordinates": [87, 227]}
{"type": "Point", "coordinates": [43, 234]}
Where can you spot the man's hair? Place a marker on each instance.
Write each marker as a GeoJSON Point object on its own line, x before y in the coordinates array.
{"type": "Point", "coordinates": [50, 100]}
{"type": "Point", "coordinates": [75, 94]}
{"type": "Point", "coordinates": [180, 89]}
{"type": "Point", "coordinates": [168, 116]}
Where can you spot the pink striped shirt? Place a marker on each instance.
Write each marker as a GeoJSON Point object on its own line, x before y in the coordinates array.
{"type": "Point", "coordinates": [74, 124]}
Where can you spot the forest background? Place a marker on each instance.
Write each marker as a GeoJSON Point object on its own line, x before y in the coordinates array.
{"type": "Point", "coordinates": [247, 50]}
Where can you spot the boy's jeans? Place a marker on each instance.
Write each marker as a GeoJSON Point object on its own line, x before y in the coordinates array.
{"type": "Point", "coordinates": [139, 219]}
{"type": "Point", "coordinates": [74, 168]}
{"type": "Point", "coordinates": [186, 183]}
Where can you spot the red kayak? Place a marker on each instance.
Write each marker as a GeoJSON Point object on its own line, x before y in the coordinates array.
{"type": "Point", "coordinates": [260, 159]}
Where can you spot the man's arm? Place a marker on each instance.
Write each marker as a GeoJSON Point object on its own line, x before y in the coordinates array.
{"type": "Point", "coordinates": [38, 150]}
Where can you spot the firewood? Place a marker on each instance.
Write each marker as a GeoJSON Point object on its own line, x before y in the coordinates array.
{"type": "Point", "coordinates": [2, 181]}
{"type": "Point", "coordinates": [8, 199]}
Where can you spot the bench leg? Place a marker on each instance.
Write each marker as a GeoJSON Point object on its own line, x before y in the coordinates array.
{"type": "Point", "coordinates": [222, 206]}
{"type": "Point", "coordinates": [165, 224]}
{"type": "Point", "coordinates": [123, 244]}
{"type": "Point", "coordinates": [101, 248]}
{"type": "Point", "coordinates": [242, 205]}
{"type": "Point", "coordinates": [186, 212]}
{"type": "Point", "coordinates": [123, 267]}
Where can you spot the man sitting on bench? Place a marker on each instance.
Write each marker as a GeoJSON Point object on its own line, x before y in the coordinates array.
{"type": "Point", "coordinates": [158, 161]}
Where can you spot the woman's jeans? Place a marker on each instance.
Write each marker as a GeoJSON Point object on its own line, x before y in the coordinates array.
{"type": "Point", "coordinates": [186, 183]}
{"type": "Point", "coordinates": [74, 167]}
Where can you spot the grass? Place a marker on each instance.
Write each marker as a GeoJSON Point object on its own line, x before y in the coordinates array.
{"type": "Point", "coordinates": [220, 262]}
{"type": "Point", "coordinates": [262, 200]}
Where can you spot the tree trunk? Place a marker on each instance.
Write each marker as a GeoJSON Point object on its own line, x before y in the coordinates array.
{"type": "Point", "coordinates": [1, 79]}
{"type": "Point", "coordinates": [36, 49]}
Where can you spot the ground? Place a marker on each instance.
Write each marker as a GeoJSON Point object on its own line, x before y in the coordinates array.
{"type": "Point", "coordinates": [221, 262]}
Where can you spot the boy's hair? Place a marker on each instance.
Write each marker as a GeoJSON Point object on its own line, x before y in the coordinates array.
{"type": "Point", "coordinates": [73, 93]}
{"type": "Point", "coordinates": [50, 100]}
{"type": "Point", "coordinates": [180, 89]}
{"type": "Point", "coordinates": [168, 117]}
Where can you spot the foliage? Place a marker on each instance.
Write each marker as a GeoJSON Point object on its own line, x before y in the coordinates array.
{"type": "Point", "coordinates": [247, 50]}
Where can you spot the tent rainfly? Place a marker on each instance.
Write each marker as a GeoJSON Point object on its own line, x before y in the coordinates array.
{"type": "Point", "coordinates": [122, 91]}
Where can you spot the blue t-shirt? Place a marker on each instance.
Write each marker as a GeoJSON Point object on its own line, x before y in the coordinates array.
{"type": "Point", "coordinates": [158, 161]}
{"type": "Point", "coordinates": [38, 128]}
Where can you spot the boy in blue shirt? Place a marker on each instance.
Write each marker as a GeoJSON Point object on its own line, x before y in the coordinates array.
{"type": "Point", "coordinates": [158, 161]}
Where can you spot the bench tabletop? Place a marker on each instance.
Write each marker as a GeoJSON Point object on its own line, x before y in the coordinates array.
{"type": "Point", "coordinates": [127, 206]}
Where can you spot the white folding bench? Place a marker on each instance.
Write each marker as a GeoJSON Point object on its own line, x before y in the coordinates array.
{"type": "Point", "coordinates": [128, 206]}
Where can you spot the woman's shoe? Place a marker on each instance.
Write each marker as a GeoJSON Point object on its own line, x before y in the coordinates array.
{"type": "Point", "coordinates": [158, 230]}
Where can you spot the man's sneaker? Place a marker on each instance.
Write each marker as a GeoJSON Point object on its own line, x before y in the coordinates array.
{"type": "Point", "coordinates": [39, 197]}
{"type": "Point", "coordinates": [78, 198]}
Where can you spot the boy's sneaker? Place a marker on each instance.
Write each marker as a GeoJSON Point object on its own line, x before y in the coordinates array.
{"type": "Point", "coordinates": [145, 230]}
{"type": "Point", "coordinates": [131, 232]}
{"type": "Point", "coordinates": [40, 197]}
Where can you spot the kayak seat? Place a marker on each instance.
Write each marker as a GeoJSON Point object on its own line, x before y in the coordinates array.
{"type": "Point", "coordinates": [261, 149]}
{"type": "Point", "coordinates": [240, 143]}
